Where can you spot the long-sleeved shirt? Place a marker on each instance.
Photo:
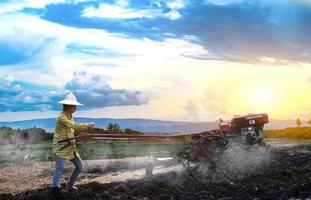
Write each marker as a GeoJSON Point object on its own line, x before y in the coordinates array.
{"type": "Point", "coordinates": [65, 127]}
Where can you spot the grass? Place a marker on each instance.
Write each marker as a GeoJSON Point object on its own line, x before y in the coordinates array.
{"type": "Point", "coordinates": [292, 133]}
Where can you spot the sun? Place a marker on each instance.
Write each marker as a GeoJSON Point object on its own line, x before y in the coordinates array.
{"type": "Point", "coordinates": [263, 95]}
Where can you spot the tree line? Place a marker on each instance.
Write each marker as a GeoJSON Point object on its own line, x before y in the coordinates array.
{"type": "Point", "coordinates": [10, 135]}
{"type": "Point", "coordinates": [113, 129]}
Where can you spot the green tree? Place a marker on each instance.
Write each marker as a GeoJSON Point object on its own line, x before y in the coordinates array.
{"type": "Point", "coordinates": [131, 131]}
{"type": "Point", "coordinates": [298, 122]}
{"type": "Point", "coordinates": [110, 127]}
{"type": "Point", "coordinates": [114, 128]}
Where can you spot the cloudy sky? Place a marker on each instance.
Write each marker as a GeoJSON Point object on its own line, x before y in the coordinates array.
{"type": "Point", "coordinates": [192, 60]}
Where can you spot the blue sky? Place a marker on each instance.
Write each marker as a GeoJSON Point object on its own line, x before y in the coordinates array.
{"type": "Point", "coordinates": [128, 58]}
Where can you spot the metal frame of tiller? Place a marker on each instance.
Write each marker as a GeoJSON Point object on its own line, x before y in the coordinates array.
{"type": "Point", "coordinates": [200, 148]}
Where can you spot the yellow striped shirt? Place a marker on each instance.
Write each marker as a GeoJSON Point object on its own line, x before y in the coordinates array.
{"type": "Point", "coordinates": [65, 127]}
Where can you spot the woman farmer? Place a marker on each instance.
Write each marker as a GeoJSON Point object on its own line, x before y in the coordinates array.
{"type": "Point", "coordinates": [65, 127]}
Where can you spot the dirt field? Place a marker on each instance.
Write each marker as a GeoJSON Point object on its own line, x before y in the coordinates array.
{"type": "Point", "coordinates": [288, 176]}
{"type": "Point", "coordinates": [16, 177]}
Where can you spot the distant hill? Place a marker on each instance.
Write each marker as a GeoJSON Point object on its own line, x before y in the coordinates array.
{"type": "Point", "coordinates": [143, 125]}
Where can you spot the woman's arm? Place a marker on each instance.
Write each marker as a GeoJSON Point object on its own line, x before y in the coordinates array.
{"type": "Point", "coordinates": [77, 126]}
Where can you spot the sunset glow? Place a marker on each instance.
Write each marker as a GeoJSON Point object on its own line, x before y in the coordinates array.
{"type": "Point", "coordinates": [187, 65]}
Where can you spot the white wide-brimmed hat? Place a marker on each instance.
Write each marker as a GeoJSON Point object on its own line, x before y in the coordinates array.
{"type": "Point", "coordinates": [70, 99]}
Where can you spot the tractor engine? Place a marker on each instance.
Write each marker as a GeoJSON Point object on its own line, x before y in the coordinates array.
{"type": "Point", "coordinates": [248, 127]}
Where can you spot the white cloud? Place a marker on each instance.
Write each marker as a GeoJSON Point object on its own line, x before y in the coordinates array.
{"type": "Point", "coordinates": [20, 5]}
{"type": "Point", "coordinates": [263, 2]}
{"type": "Point", "coordinates": [223, 2]}
{"type": "Point", "coordinates": [8, 79]}
{"type": "Point", "coordinates": [18, 87]}
{"type": "Point", "coordinates": [176, 4]}
{"type": "Point", "coordinates": [267, 59]}
{"type": "Point", "coordinates": [275, 61]}
{"type": "Point", "coordinates": [53, 38]}
{"type": "Point", "coordinates": [173, 15]}
{"type": "Point", "coordinates": [192, 109]}
{"type": "Point", "coordinates": [93, 91]}
{"type": "Point", "coordinates": [140, 63]}
{"type": "Point", "coordinates": [216, 100]}
{"type": "Point", "coordinates": [120, 10]}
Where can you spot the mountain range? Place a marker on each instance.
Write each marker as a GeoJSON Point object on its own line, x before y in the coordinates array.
{"type": "Point", "coordinates": [143, 125]}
